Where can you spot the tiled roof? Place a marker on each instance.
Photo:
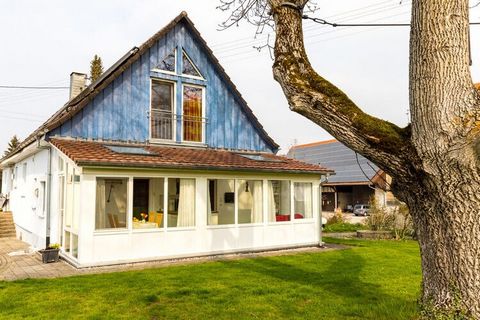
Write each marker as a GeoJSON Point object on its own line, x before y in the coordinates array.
{"type": "Point", "coordinates": [89, 153]}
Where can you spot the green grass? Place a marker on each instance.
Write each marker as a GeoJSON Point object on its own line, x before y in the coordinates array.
{"type": "Point", "coordinates": [370, 280]}
{"type": "Point", "coordinates": [344, 227]}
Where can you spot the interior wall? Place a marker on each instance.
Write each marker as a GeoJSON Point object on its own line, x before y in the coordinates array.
{"type": "Point", "coordinates": [226, 211]}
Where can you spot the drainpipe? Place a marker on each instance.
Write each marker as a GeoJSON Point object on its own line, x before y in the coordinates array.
{"type": "Point", "coordinates": [323, 179]}
{"type": "Point", "coordinates": [47, 189]}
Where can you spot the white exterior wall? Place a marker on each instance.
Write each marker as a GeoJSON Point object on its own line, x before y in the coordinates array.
{"type": "Point", "coordinates": [27, 200]}
{"type": "Point", "coordinates": [7, 176]}
{"type": "Point", "coordinates": [118, 246]}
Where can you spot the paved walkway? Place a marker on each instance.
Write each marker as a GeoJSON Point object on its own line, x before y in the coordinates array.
{"type": "Point", "coordinates": [17, 261]}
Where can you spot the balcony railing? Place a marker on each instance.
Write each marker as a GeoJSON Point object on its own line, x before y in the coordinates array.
{"type": "Point", "coordinates": [163, 124]}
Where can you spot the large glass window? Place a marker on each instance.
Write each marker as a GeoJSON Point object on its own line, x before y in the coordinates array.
{"type": "Point", "coordinates": [250, 201]}
{"type": "Point", "coordinates": [221, 202]}
{"type": "Point", "coordinates": [162, 110]}
{"type": "Point", "coordinates": [111, 203]}
{"type": "Point", "coordinates": [148, 199]}
{"type": "Point", "coordinates": [278, 200]}
{"type": "Point", "coordinates": [181, 202]}
{"type": "Point", "coordinates": [192, 113]}
{"type": "Point", "coordinates": [302, 204]}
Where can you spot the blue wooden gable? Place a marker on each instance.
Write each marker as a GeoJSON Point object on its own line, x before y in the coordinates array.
{"type": "Point", "coordinates": [121, 110]}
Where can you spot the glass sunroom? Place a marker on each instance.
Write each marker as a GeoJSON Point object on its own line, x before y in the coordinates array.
{"type": "Point", "coordinates": [147, 211]}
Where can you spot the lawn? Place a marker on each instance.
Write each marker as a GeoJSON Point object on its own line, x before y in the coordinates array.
{"type": "Point", "coordinates": [370, 280]}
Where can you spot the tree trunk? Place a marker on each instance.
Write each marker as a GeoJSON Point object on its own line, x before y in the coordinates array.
{"type": "Point", "coordinates": [435, 162]}
{"type": "Point", "coordinates": [447, 222]}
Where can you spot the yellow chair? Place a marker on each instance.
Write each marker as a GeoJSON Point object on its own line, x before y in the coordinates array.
{"type": "Point", "coordinates": [151, 217]}
{"type": "Point", "coordinates": [159, 219]}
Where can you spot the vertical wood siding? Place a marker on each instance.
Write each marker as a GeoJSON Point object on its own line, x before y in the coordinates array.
{"type": "Point", "coordinates": [121, 110]}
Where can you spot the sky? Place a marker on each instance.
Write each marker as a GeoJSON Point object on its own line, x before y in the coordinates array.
{"type": "Point", "coordinates": [44, 41]}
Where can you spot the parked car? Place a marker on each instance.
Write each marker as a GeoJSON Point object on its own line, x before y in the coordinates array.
{"type": "Point", "coordinates": [360, 210]}
{"type": "Point", "coordinates": [348, 208]}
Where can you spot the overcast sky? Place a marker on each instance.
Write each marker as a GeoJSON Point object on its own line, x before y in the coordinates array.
{"type": "Point", "coordinates": [44, 41]}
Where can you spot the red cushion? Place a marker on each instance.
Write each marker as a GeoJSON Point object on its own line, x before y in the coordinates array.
{"type": "Point", "coordinates": [298, 216]}
{"type": "Point", "coordinates": [282, 217]}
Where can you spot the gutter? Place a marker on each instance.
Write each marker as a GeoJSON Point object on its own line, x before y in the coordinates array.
{"type": "Point", "coordinates": [93, 164]}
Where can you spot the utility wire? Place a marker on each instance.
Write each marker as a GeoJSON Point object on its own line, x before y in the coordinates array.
{"type": "Point", "coordinates": [333, 24]}
{"type": "Point", "coordinates": [33, 87]}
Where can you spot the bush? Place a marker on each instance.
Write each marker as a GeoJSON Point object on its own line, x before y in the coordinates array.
{"type": "Point", "coordinates": [404, 224]}
{"type": "Point", "coordinates": [397, 220]}
{"type": "Point", "coordinates": [336, 218]}
{"type": "Point", "coordinates": [379, 219]}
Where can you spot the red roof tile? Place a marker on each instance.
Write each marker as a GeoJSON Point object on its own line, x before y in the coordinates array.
{"type": "Point", "coordinates": [89, 153]}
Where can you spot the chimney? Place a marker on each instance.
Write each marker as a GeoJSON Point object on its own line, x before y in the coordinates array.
{"type": "Point", "coordinates": [78, 82]}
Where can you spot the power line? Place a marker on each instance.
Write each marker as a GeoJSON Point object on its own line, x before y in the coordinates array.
{"type": "Point", "coordinates": [333, 24]}
{"type": "Point", "coordinates": [33, 87]}
{"type": "Point", "coordinates": [344, 16]}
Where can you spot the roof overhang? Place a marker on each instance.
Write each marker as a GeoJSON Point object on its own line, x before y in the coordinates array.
{"type": "Point", "coordinates": [93, 165]}
{"type": "Point", "coordinates": [348, 183]}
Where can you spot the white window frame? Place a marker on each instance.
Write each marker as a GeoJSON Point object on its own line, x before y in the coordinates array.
{"type": "Point", "coordinates": [293, 200]}
{"type": "Point", "coordinates": [291, 203]}
{"type": "Point", "coordinates": [235, 209]}
{"type": "Point", "coordinates": [204, 107]}
{"type": "Point", "coordinates": [129, 204]}
{"type": "Point", "coordinates": [174, 111]}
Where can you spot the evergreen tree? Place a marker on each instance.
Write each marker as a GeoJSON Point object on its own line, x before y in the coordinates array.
{"type": "Point", "coordinates": [12, 145]}
{"type": "Point", "coordinates": [96, 68]}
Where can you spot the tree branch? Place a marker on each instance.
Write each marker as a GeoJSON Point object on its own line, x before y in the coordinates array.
{"type": "Point", "coordinates": [320, 101]}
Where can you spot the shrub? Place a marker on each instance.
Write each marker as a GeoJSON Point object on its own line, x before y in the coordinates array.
{"type": "Point", "coordinates": [379, 217]}
{"type": "Point", "coordinates": [336, 218]}
{"type": "Point", "coordinates": [404, 224]}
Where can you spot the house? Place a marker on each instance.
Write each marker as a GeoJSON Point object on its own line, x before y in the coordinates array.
{"type": "Point", "coordinates": [356, 179]}
{"type": "Point", "coordinates": [160, 157]}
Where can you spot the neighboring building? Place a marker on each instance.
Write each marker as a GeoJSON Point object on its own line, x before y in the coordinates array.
{"type": "Point", "coordinates": [356, 179]}
{"type": "Point", "coordinates": [158, 158]}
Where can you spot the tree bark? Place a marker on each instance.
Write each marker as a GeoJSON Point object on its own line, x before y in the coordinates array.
{"type": "Point", "coordinates": [435, 162]}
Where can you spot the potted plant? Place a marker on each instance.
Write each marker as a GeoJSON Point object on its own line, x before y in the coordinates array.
{"type": "Point", "coordinates": [50, 253]}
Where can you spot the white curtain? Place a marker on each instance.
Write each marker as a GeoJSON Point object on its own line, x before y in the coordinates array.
{"type": "Point", "coordinates": [303, 199]}
{"type": "Point", "coordinates": [100, 218]}
{"type": "Point", "coordinates": [307, 198]}
{"type": "Point", "coordinates": [209, 205]}
{"type": "Point", "coordinates": [284, 197]}
{"type": "Point", "coordinates": [186, 203]}
{"type": "Point", "coordinates": [271, 203]}
{"type": "Point", "coordinates": [257, 201]}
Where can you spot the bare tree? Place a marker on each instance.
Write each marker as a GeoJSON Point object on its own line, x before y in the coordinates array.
{"type": "Point", "coordinates": [435, 161]}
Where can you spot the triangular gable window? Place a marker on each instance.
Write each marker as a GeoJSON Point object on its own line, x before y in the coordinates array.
{"type": "Point", "coordinates": [188, 67]}
{"type": "Point", "coordinates": [168, 63]}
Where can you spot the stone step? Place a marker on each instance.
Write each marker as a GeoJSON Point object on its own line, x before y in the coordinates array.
{"type": "Point", "coordinates": [7, 226]}
{"type": "Point", "coordinates": [8, 235]}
